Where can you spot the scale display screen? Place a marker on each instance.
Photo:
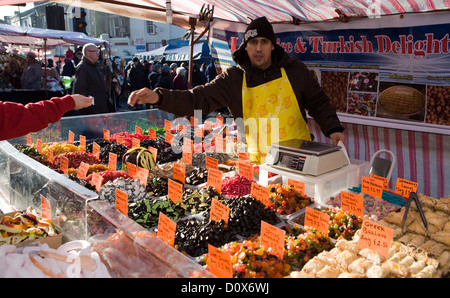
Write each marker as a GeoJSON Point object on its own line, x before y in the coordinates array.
{"type": "Point", "coordinates": [293, 162]}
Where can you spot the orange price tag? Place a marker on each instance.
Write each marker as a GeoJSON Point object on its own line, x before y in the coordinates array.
{"type": "Point", "coordinates": [188, 145]}
{"type": "Point", "coordinates": [122, 201]}
{"type": "Point", "coordinates": [137, 129]}
{"type": "Point", "coordinates": [272, 238]}
{"type": "Point", "coordinates": [383, 180]}
{"type": "Point", "coordinates": [179, 172]}
{"type": "Point", "coordinates": [244, 156]}
{"type": "Point", "coordinates": [167, 125]}
{"type": "Point", "coordinates": [405, 187]}
{"type": "Point", "coordinates": [211, 163]}
{"type": "Point", "coordinates": [187, 157]}
{"type": "Point", "coordinates": [317, 219]}
{"type": "Point", "coordinates": [154, 152]}
{"type": "Point", "coordinates": [97, 181]}
{"type": "Point", "coordinates": [71, 137]}
{"type": "Point", "coordinates": [199, 133]}
{"type": "Point", "coordinates": [152, 134]}
{"type": "Point", "coordinates": [96, 150]}
{"type": "Point", "coordinates": [39, 145]}
{"type": "Point", "coordinates": [135, 142]}
{"type": "Point", "coordinates": [28, 139]}
{"type": "Point", "coordinates": [218, 142]}
{"type": "Point", "coordinates": [352, 203]}
{"type": "Point", "coordinates": [119, 139]}
{"type": "Point", "coordinates": [132, 169]}
{"type": "Point", "coordinates": [175, 191]}
{"type": "Point", "coordinates": [83, 143]}
{"type": "Point", "coordinates": [106, 134]}
{"type": "Point", "coordinates": [219, 211]}
{"type": "Point", "coordinates": [376, 237]}
{"type": "Point", "coordinates": [169, 138]}
{"type": "Point", "coordinates": [219, 120]}
{"type": "Point", "coordinates": [142, 175]}
{"type": "Point", "coordinates": [46, 208]}
{"type": "Point", "coordinates": [219, 262]}
{"type": "Point", "coordinates": [261, 193]}
{"type": "Point", "coordinates": [64, 164]}
{"type": "Point", "coordinates": [246, 169]}
{"type": "Point", "coordinates": [297, 185]}
{"type": "Point", "coordinates": [166, 229]}
{"type": "Point", "coordinates": [112, 161]}
{"type": "Point", "coordinates": [371, 187]}
{"type": "Point", "coordinates": [215, 179]}
{"type": "Point", "coordinates": [207, 125]}
{"type": "Point", "coordinates": [82, 170]}
{"type": "Point", "coordinates": [50, 156]}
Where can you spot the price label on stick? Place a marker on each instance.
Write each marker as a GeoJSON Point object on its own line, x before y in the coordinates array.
{"type": "Point", "coordinates": [272, 238]}
{"type": "Point", "coordinates": [166, 229]}
{"type": "Point", "coordinates": [215, 179]}
{"type": "Point", "coordinates": [405, 187]}
{"type": "Point", "coordinates": [175, 191]}
{"type": "Point", "coordinates": [371, 187]}
{"type": "Point", "coordinates": [219, 262]}
{"type": "Point", "coordinates": [106, 134]}
{"type": "Point", "coordinates": [112, 161]}
{"type": "Point", "coordinates": [352, 203]}
{"type": "Point", "coordinates": [28, 139]}
{"type": "Point", "coordinates": [154, 152]}
{"type": "Point", "coordinates": [71, 138]}
{"type": "Point", "coordinates": [211, 163]}
{"type": "Point", "coordinates": [317, 219]}
{"type": "Point", "coordinates": [137, 129]}
{"type": "Point", "coordinates": [219, 211]}
{"type": "Point", "coordinates": [122, 201]}
{"type": "Point", "coordinates": [246, 169]}
{"type": "Point", "coordinates": [383, 180]}
{"type": "Point", "coordinates": [82, 170]}
{"type": "Point", "coordinates": [64, 164]}
{"type": "Point", "coordinates": [297, 185]}
{"type": "Point", "coordinates": [376, 237]}
{"type": "Point", "coordinates": [97, 181]}
{"type": "Point", "coordinates": [46, 208]}
{"type": "Point", "coordinates": [135, 142]}
{"type": "Point", "coordinates": [96, 150]}
{"type": "Point", "coordinates": [83, 143]}
{"type": "Point", "coordinates": [261, 193]}
{"type": "Point", "coordinates": [167, 125]}
{"type": "Point", "coordinates": [152, 134]}
{"type": "Point", "coordinates": [132, 170]}
{"type": "Point", "coordinates": [179, 172]}
{"type": "Point", "coordinates": [119, 139]}
{"type": "Point", "coordinates": [142, 175]}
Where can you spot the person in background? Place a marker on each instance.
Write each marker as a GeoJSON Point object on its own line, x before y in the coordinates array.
{"type": "Point", "coordinates": [17, 119]}
{"type": "Point", "coordinates": [136, 76]}
{"type": "Point", "coordinates": [78, 55]}
{"type": "Point", "coordinates": [180, 81]}
{"type": "Point", "coordinates": [31, 76]}
{"type": "Point", "coordinates": [198, 77]}
{"type": "Point", "coordinates": [210, 71]}
{"type": "Point", "coordinates": [14, 73]}
{"type": "Point", "coordinates": [266, 84]}
{"type": "Point", "coordinates": [153, 77]}
{"type": "Point", "coordinates": [165, 80]}
{"type": "Point", "coordinates": [89, 81]}
{"type": "Point", "coordinates": [173, 70]}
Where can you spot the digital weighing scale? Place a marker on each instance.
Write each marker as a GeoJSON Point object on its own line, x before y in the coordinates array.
{"type": "Point", "coordinates": [306, 157]}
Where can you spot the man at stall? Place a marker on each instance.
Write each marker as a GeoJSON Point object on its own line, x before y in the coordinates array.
{"type": "Point", "coordinates": [265, 84]}
{"type": "Point", "coordinates": [31, 76]}
{"type": "Point", "coordinates": [17, 119]}
{"type": "Point", "coordinates": [89, 81]}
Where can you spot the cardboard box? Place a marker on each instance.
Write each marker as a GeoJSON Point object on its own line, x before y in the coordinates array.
{"type": "Point", "coordinates": [52, 241]}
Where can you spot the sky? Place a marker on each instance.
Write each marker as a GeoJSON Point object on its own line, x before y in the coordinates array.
{"type": "Point", "coordinates": [8, 10]}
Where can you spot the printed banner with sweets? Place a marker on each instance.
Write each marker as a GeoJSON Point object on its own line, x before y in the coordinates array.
{"type": "Point", "coordinates": [392, 67]}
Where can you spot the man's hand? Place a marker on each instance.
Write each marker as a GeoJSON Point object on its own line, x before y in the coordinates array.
{"type": "Point", "coordinates": [143, 96]}
{"type": "Point", "coordinates": [336, 137]}
{"type": "Point", "coordinates": [82, 101]}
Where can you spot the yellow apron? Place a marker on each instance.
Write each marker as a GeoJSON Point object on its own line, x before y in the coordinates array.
{"type": "Point", "coordinates": [267, 107]}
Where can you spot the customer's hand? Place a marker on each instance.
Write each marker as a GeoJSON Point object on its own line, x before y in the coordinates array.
{"type": "Point", "coordinates": [82, 101]}
{"type": "Point", "coordinates": [143, 96]}
{"type": "Point", "coordinates": [336, 137]}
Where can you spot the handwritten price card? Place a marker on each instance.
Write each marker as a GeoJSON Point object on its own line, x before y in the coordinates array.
{"type": "Point", "coordinates": [169, 138]}
{"type": "Point", "coordinates": [167, 125]}
{"type": "Point", "coordinates": [297, 185]}
{"type": "Point", "coordinates": [39, 145]}
{"type": "Point", "coordinates": [119, 139]}
{"type": "Point", "coordinates": [122, 201]}
{"type": "Point", "coordinates": [261, 193]}
{"type": "Point", "coordinates": [244, 156]}
{"type": "Point", "coordinates": [28, 139]}
{"type": "Point", "coordinates": [405, 187]}
{"type": "Point", "coordinates": [83, 143]}
{"type": "Point", "coordinates": [179, 172]}
{"type": "Point", "coordinates": [211, 163]}
{"type": "Point", "coordinates": [207, 125]}
{"type": "Point", "coordinates": [71, 137]}
{"type": "Point", "coordinates": [166, 229]}
{"type": "Point", "coordinates": [106, 134]}
{"type": "Point", "coordinates": [64, 164]}
{"type": "Point", "coordinates": [142, 175]}
{"type": "Point", "coordinates": [215, 179]}
{"type": "Point", "coordinates": [376, 237]}
{"type": "Point", "coordinates": [219, 211]}
{"type": "Point", "coordinates": [352, 203]}
{"type": "Point", "coordinates": [152, 134]}
{"type": "Point", "coordinates": [272, 238]}
{"type": "Point", "coordinates": [132, 170]}
{"type": "Point", "coordinates": [135, 142]}
{"type": "Point", "coordinates": [82, 170]}
{"type": "Point", "coordinates": [46, 208]}
{"type": "Point", "coordinates": [187, 157]}
{"type": "Point", "coordinates": [219, 262]}
{"type": "Point", "coordinates": [112, 161]}
{"type": "Point", "coordinates": [50, 156]}
{"type": "Point", "coordinates": [218, 142]}
{"type": "Point", "coordinates": [97, 181]}
{"type": "Point", "coordinates": [175, 191]}
{"type": "Point", "coordinates": [371, 187]}
{"type": "Point", "coordinates": [382, 180]}
{"type": "Point", "coordinates": [199, 133]}
{"type": "Point", "coordinates": [137, 129]}
{"type": "Point", "coordinates": [154, 152]}
{"type": "Point", "coordinates": [317, 219]}
{"type": "Point", "coordinates": [96, 150]}
{"type": "Point", "coordinates": [246, 169]}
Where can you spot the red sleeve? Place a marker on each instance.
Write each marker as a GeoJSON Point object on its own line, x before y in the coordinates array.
{"type": "Point", "coordinates": [17, 120]}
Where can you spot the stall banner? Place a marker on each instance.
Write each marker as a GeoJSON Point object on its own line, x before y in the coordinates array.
{"type": "Point", "coordinates": [393, 69]}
